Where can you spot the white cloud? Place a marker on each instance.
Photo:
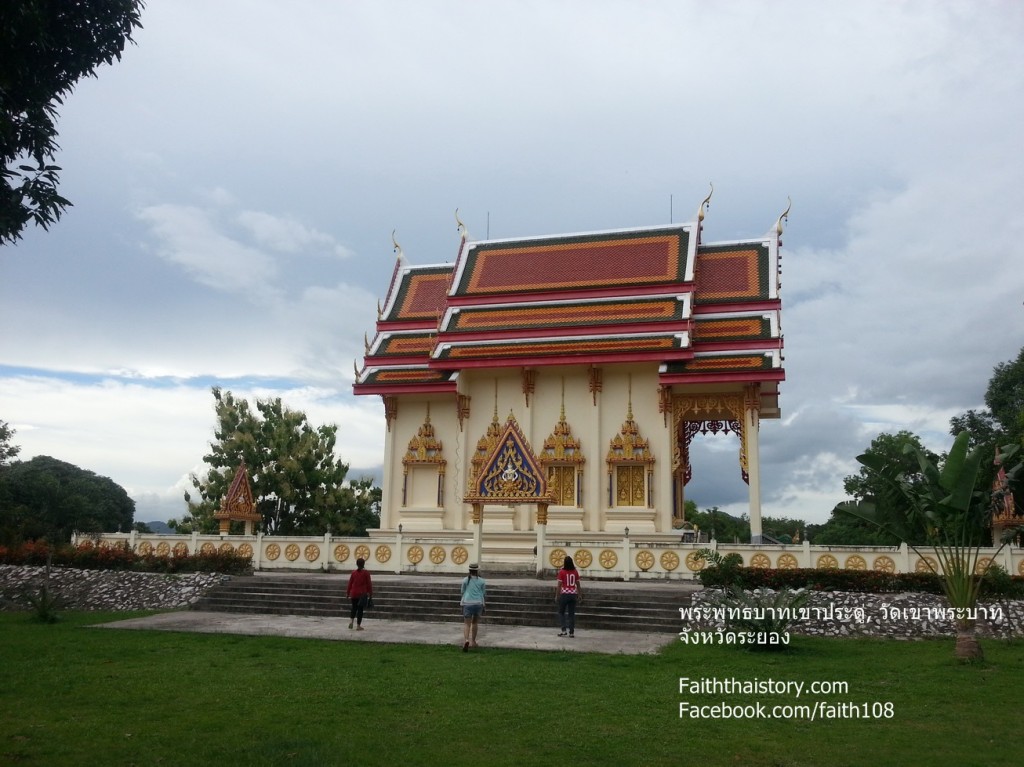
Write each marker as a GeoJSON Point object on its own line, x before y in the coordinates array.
{"type": "Point", "coordinates": [286, 235]}
{"type": "Point", "coordinates": [267, 188]}
{"type": "Point", "coordinates": [188, 237]}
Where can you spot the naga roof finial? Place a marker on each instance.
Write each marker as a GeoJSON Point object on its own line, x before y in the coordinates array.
{"type": "Point", "coordinates": [705, 204]}
{"type": "Point", "coordinates": [380, 310]}
{"type": "Point", "coordinates": [783, 217]}
{"type": "Point", "coordinates": [366, 342]}
{"type": "Point", "coordinates": [355, 369]}
{"type": "Point", "coordinates": [461, 227]}
{"type": "Point", "coordinates": [398, 248]}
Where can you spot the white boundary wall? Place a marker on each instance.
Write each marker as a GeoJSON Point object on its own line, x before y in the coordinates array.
{"type": "Point", "coordinates": [598, 555]}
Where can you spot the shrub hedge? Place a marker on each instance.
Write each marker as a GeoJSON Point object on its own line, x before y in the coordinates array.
{"type": "Point", "coordinates": [996, 583]}
{"type": "Point", "coordinates": [89, 556]}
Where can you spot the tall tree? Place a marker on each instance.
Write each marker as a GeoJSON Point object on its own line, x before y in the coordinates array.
{"type": "Point", "coordinates": [7, 450]}
{"type": "Point", "coordinates": [48, 498]}
{"type": "Point", "coordinates": [1002, 422]}
{"type": "Point", "coordinates": [48, 46]}
{"type": "Point", "coordinates": [298, 483]}
{"type": "Point", "coordinates": [898, 451]}
{"type": "Point", "coordinates": [1005, 397]}
{"type": "Point", "coordinates": [953, 505]}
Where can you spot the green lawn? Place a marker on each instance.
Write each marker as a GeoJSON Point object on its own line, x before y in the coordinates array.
{"type": "Point", "coordinates": [73, 695]}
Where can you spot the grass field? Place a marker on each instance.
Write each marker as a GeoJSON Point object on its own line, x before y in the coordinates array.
{"type": "Point", "coordinates": [73, 695]}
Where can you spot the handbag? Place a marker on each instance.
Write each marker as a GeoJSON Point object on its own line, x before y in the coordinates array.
{"type": "Point", "coordinates": [369, 602]}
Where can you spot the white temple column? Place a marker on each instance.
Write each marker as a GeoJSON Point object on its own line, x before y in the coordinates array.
{"type": "Point", "coordinates": [751, 424]}
{"type": "Point", "coordinates": [389, 514]}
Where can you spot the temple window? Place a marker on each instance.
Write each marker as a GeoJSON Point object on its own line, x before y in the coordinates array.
{"type": "Point", "coordinates": [630, 467]}
{"type": "Point", "coordinates": [562, 458]}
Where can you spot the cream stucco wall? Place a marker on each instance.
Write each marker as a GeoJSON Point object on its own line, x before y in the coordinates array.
{"type": "Point", "coordinates": [593, 420]}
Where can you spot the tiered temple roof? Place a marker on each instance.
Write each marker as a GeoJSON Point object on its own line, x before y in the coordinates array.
{"type": "Point", "coordinates": [705, 313]}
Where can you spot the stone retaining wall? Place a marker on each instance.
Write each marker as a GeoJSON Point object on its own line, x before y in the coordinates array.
{"type": "Point", "coordinates": [104, 589]}
{"type": "Point", "coordinates": [895, 616]}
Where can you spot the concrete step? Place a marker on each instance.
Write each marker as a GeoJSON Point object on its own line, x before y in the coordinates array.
{"type": "Point", "coordinates": [531, 603]}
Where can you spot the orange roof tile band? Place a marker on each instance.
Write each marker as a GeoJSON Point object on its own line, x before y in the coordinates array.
{"type": "Point", "coordinates": [728, 275]}
{"type": "Point", "coordinates": [563, 347]}
{"type": "Point", "coordinates": [412, 345]}
{"type": "Point", "coordinates": [425, 297]}
{"type": "Point", "coordinates": [751, 327]}
{"type": "Point", "coordinates": [607, 263]}
{"type": "Point", "coordinates": [726, 363]}
{"type": "Point", "coordinates": [529, 317]}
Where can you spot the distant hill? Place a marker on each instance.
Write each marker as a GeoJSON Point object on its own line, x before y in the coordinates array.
{"type": "Point", "coordinates": [160, 528]}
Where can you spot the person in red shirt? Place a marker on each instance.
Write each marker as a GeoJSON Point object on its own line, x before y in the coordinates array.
{"type": "Point", "coordinates": [360, 589]}
{"type": "Point", "coordinates": [567, 593]}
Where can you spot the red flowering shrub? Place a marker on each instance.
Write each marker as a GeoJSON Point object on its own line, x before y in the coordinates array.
{"type": "Point", "coordinates": [91, 556]}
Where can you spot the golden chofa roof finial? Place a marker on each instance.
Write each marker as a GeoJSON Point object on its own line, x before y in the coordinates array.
{"type": "Point", "coordinates": [783, 217]}
{"type": "Point", "coordinates": [705, 204]}
{"type": "Point", "coordinates": [366, 343]}
{"type": "Point", "coordinates": [461, 227]}
{"type": "Point", "coordinates": [398, 248]}
{"type": "Point", "coordinates": [380, 310]}
{"type": "Point", "coordinates": [355, 369]}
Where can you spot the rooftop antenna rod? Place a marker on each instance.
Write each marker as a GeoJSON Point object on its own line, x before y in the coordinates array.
{"type": "Point", "coordinates": [488, 225]}
{"type": "Point", "coordinates": [670, 220]}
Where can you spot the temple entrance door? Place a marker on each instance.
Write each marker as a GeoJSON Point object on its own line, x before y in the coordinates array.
{"type": "Point", "coordinates": [511, 474]}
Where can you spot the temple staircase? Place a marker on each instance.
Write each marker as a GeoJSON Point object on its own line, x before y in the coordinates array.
{"type": "Point", "coordinates": [512, 602]}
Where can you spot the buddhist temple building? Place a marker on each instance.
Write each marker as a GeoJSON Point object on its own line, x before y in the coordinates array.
{"type": "Point", "coordinates": [552, 385]}
{"type": "Point", "coordinates": [238, 504]}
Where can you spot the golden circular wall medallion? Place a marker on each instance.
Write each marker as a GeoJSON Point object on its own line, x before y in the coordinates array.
{"type": "Point", "coordinates": [827, 562]}
{"type": "Point", "coordinates": [459, 555]}
{"type": "Point", "coordinates": [926, 565]}
{"type": "Point", "coordinates": [583, 558]}
{"type": "Point", "coordinates": [556, 558]}
{"type": "Point", "coordinates": [856, 562]}
{"type": "Point", "coordinates": [670, 560]}
{"type": "Point", "coordinates": [226, 548]}
{"type": "Point", "coordinates": [884, 564]}
{"type": "Point", "coordinates": [415, 554]}
{"type": "Point", "coordinates": [145, 548]}
{"type": "Point", "coordinates": [760, 560]}
{"type": "Point", "coordinates": [787, 562]}
{"type": "Point", "coordinates": [437, 554]}
{"type": "Point", "coordinates": [312, 552]}
{"type": "Point", "coordinates": [644, 560]}
{"type": "Point", "coordinates": [245, 550]}
{"type": "Point", "coordinates": [341, 552]}
{"type": "Point", "coordinates": [695, 562]}
{"type": "Point", "coordinates": [273, 551]}
{"type": "Point", "coordinates": [181, 549]}
{"type": "Point", "coordinates": [207, 548]}
{"type": "Point", "coordinates": [982, 565]}
{"type": "Point", "coordinates": [291, 552]}
{"type": "Point", "coordinates": [163, 548]}
{"type": "Point", "coordinates": [608, 559]}
{"type": "Point", "coordinates": [362, 552]}
{"type": "Point", "coordinates": [383, 553]}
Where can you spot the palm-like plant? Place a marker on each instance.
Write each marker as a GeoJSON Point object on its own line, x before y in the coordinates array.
{"type": "Point", "coordinates": [955, 513]}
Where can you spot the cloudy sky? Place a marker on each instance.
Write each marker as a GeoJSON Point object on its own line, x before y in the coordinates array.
{"type": "Point", "coordinates": [237, 177]}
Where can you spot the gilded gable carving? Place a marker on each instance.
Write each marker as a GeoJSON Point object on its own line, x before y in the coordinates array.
{"type": "Point", "coordinates": [425, 447]}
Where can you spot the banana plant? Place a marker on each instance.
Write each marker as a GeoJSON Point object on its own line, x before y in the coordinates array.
{"type": "Point", "coordinates": [955, 513]}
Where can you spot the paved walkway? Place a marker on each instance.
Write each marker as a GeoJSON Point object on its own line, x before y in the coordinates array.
{"type": "Point", "coordinates": [415, 632]}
